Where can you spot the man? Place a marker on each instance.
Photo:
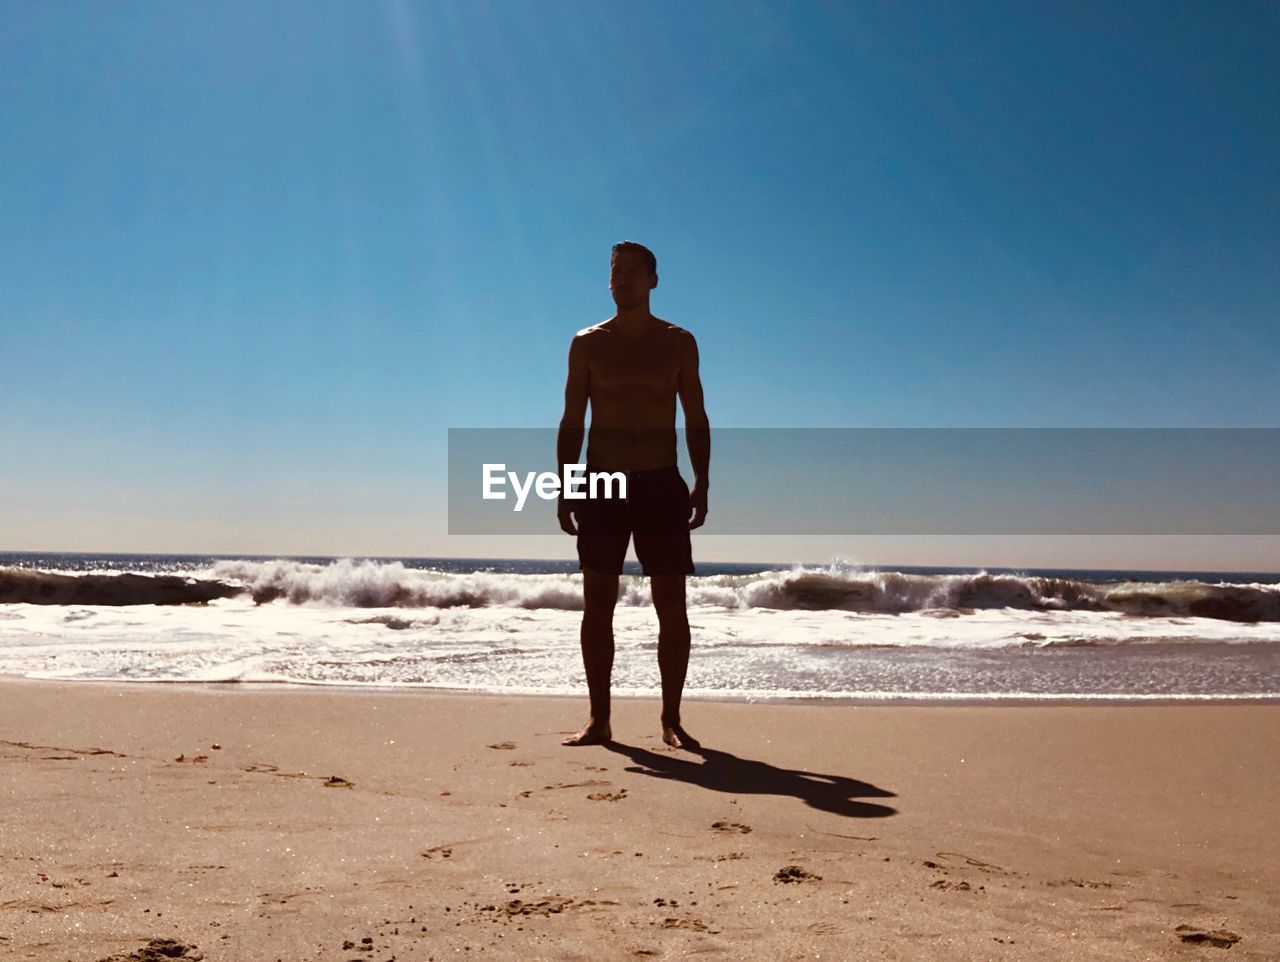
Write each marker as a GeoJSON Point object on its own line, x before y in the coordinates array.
{"type": "Point", "coordinates": [631, 368]}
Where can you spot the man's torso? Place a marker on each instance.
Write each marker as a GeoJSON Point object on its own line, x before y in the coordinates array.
{"type": "Point", "coordinates": [634, 380]}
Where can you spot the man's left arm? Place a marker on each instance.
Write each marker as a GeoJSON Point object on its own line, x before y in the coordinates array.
{"type": "Point", "coordinates": [697, 431]}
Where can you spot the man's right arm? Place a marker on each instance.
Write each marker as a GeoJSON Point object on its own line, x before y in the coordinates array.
{"type": "Point", "coordinates": [577, 390]}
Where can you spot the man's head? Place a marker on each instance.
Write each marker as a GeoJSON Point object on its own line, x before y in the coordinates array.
{"type": "Point", "coordinates": [633, 273]}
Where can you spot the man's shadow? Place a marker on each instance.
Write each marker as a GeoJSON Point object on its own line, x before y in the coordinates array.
{"type": "Point", "coordinates": [723, 772]}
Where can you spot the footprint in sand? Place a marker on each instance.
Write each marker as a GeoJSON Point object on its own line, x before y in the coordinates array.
{"type": "Point", "coordinates": [1081, 883]}
{"type": "Point", "coordinates": [547, 906]}
{"type": "Point", "coordinates": [1220, 938]}
{"type": "Point", "coordinates": [795, 873]}
{"type": "Point", "coordinates": [504, 746]}
{"type": "Point", "coordinates": [157, 950]}
{"type": "Point", "coordinates": [608, 796]}
{"type": "Point", "coordinates": [723, 826]}
{"type": "Point", "coordinates": [969, 860]}
{"type": "Point", "coordinates": [692, 925]}
{"type": "Point", "coordinates": [590, 783]}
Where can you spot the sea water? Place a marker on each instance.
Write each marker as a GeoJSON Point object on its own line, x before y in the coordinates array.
{"type": "Point", "coordinates": [759, 631]}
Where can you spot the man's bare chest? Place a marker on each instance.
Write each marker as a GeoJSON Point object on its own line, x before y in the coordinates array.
{"type": "Point", "coordinates": [639, 364]}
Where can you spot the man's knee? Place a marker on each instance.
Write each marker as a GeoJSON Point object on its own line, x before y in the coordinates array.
{"type": "Point", "coordinates": [599, 594]}
{"type": "Point", "coordinates": [668, 593]}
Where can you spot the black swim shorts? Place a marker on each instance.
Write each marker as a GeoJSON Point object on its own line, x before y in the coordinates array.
{"type": "Point", "coordinates": [655, 512]}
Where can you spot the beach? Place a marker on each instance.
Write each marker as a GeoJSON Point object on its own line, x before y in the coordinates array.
{"type": "Point", "coordinates": [882, 393]}
{"type": "Point", "coordinates": [273, 822]}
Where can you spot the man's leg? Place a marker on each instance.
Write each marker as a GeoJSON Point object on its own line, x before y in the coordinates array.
{"type": "Point", "coordinates": [673, 654]}
{"type": "Point", "coordinates": [599, 595]}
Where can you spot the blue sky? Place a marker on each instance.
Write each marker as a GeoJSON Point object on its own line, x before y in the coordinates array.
{"type": "Point", "coordinates": [256, 259]}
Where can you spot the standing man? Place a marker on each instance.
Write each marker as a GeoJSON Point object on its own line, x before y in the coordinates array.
{"type": "Point", "coordinates": [631, 368]}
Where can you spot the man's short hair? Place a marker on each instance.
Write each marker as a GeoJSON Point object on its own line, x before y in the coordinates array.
{"type": "Point", "coordinates": [640, 249]}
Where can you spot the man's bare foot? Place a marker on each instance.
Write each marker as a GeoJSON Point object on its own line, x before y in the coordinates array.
{"type": "Point", "coordinates": [592, 734]}
{"type": "Point", "coordinates": [677, 737]}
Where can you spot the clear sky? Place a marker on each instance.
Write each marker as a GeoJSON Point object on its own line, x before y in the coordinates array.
{"type": "Point", "coordinates": [257, 258]}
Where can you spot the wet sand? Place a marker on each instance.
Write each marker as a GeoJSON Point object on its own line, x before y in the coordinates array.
{"type": "Point", "coordinates": [334, 825]}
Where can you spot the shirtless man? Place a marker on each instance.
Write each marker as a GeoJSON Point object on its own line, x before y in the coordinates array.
{"type": "Point", "coordinates": [631, 368]}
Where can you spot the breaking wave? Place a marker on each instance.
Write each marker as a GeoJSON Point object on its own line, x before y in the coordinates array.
{"type": "Point", "coordinates": [20, 586]}
{"type": "Point", "coordinates": [895, 593]}
{"type": "Point", "coordinates": [373, 584]}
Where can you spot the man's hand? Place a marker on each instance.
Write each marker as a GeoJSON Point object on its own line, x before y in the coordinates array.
{"type": "Point", "coordinates": [697, 505]}
{"type": "Point", "coordinates": [564, 511]}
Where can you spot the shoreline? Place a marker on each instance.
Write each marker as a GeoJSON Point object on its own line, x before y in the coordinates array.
{"type": "Point", "coordinates": [295, 824]}
{"type": "Point", "coordinates": [872, 700]}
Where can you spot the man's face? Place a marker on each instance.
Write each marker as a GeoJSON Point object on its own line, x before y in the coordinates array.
{"type": "Point", "coordinates": [630, 280]}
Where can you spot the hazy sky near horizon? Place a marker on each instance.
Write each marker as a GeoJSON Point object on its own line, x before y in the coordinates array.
{"type": "Point", "coordinates": [256, 259]}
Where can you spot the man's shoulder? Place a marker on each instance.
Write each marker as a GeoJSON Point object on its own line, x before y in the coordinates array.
{"type": "Point", "coordinates": [681, 340]}
{"type": "Point", "coordinates": [594, 331]}
{"type": "Point", "coordinates": [674, 331]}
{"type": "Point", "coordinates": [662, 328]}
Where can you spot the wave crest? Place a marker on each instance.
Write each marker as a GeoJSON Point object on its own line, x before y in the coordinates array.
{"type": "Point", "coordinates": [370, 584]}
{"type": "Point", "coordinates": [373, 584]}
{"type": "Point", "coordinates": [893, 592]}
{"type": "Point", "coordinates": [22, 586]}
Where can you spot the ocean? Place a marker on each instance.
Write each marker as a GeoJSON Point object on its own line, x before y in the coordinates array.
{"type": "Point", "coordinates": [841, 632]}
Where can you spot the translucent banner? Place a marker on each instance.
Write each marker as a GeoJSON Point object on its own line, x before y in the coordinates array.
{"type": "Point", "coordinates": [1026, 481]}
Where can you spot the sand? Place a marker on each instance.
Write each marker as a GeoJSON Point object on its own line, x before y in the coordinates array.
{"type": "Point", "coordinates": [147, 822]}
